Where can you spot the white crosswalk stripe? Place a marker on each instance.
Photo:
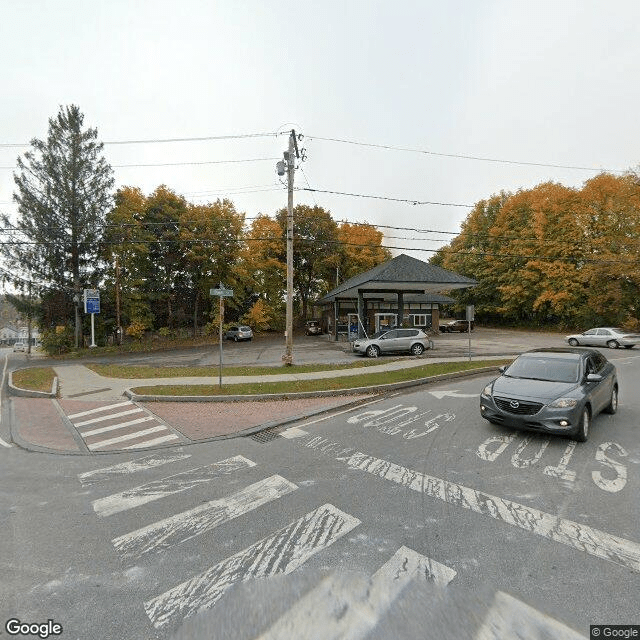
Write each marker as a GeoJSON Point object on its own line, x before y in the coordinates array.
{"type": "Point", "coordinates": [108, 407]}
{"type": "Point", "coordinates": [127, 468]}
{"type": "Point", "coordinates": [109, 426]}
{"type": "Point", "coordinates": [168, 486]}
{"type": "Point", "coordinates": [280, 553]}
{"type": "Point", "coordinates": [201, 519]}
{"type": "Point", "coordinates": [510, 618]}
{"type": "Point", "coordinates": [338, 609]}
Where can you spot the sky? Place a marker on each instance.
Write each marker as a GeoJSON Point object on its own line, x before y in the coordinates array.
{"type": "Point", "coordinates": [553, 83]}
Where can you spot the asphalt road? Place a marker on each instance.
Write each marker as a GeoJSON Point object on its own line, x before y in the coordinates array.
{"type": "Point", "coordinates": [410, 517]}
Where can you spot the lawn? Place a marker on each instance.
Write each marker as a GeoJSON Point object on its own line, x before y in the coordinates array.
{"type": "Point", "coordinates": [325, 384]}
{"type": "Point", "coordinates": [34, 378]}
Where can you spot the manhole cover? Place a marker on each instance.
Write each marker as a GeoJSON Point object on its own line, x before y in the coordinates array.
{"type": "Point", "coordinates": [266, 436]}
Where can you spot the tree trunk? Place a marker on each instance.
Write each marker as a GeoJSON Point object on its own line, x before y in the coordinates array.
{"type": "Point", "coordinates": [195, 314]}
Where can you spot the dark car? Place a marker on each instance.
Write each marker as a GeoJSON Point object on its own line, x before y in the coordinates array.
{"type": "Point", "coordinates": [456, 326]}
{"type": "Point", "coordinates": [313, 328]}
{"type": "Point", "coordinates": [552, 390]}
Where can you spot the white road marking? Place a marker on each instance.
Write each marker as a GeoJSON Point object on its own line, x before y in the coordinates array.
{"type": "Point", "coordinates": [560, 471]}
{"type": "Point", "coordinates": [151, 443]}
{"type": "Point", "coordinates": [133, 466]}
{"type": "Point", "coordinates": [168, 486]}
{"type": "Point", "coordinates": [511, 618]}
{"type": "Point", "coordinates": [203, 518]}
{"type": "Point", "coordinates": [620, 480]}
{"type": "Point", "coordinates": [339, 413]}
{"type": "Point", "coordinates": [129, 436]}
{"type": "Point", "coordinates": [335, 610]}
{"type": "Point", "coordinates": [453, 393]}
{"type": "Point", "coordinates": [100, 409]}
{"type": "Point", "coordinates": [294, 432]}
{"type": "Point", "coordinates": [280, 553]}
{"type": "Point", "coordinates": [108, 417]}
{"type": "Point", "coordinates": [582, 537]}
{"type": "Point", "coordinates": [113, 427]}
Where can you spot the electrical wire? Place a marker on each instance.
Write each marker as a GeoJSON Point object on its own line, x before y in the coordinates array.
{"type": "Point", "coordinates": [17, 145]}
{"type": "Point", "coordinates": [389, 147]}
{"type": "Point", "coordinates": [407, 200]}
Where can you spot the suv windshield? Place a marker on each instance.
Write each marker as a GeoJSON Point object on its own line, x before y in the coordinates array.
{"type": "Point", "coordinates": [544, 368]}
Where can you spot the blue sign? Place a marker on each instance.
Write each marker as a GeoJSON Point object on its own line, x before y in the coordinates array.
{"type": "Point", "coordinates": [92, 305]}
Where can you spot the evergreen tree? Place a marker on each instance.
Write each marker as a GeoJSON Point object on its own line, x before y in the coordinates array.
{"type": "Point", "coordinates": [63, 192]}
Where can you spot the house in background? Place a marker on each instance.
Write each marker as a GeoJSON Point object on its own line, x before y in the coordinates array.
{"type": "Point", "coordinates": [8, 334]}
{"type": "Point", "coordinates": [402, 291]}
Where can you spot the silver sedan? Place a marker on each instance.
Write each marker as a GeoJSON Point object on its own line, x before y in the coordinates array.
{"type": "Point", "coordinates": [605, 337]}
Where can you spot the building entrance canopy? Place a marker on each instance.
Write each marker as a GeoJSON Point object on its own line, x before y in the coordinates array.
{"type": "Point", "coordinates": [402, 280]}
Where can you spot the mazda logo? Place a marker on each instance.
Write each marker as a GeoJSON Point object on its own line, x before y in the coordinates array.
{"type": "Point", "coordinates": [514, 404]}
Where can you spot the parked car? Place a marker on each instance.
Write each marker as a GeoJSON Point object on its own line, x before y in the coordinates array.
{"type": "Point", "coordinates": [553, 391]}
{"type": "Point", "coordinates": [605, 336]}
{"type": "Point", "coordinates": [313, 328]}
{"type": "Point", "coordinates": [19, 346]}
{"type": "Point", "coordinates": [454, 326]}
{"type": "Point", "coordinates": [239, 332]}
{"type": "Point", "coordinates": [414, 341]}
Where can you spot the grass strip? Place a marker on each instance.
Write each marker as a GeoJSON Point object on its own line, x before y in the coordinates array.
{"type": "Point", "coordinates": [148, 371]}
{"type": "Point", "coordinates": [324, 384]}
{"type": "Point", "coordinates": [34, 378]}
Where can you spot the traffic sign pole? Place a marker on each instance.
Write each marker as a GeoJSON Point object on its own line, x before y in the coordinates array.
{"type": "Point", "coordinates": [222, 293]}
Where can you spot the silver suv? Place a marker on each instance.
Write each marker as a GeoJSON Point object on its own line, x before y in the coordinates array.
{"type": "Point", "coordinates": [414, 341]}
{"type": "Point", "coordinates": [239, 332]}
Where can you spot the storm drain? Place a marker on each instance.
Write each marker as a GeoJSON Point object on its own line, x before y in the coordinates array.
{"type": "Point", "coordinates": [267, 435]}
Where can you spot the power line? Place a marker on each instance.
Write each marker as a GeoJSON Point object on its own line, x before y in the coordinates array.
{"type": "Point", "coordinates": [16, 145]}
{"type": "Point", "coordinates": [462, 156]}
{"type": "Point", "coordinates": [180, 164]}
{"type": "Point", "coordinates": [407, 200]}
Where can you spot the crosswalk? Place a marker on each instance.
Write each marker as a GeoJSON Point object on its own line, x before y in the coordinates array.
{"type": "Point", "coordinates": [332, 606]}
{"type": "Point", "coordinates": [121, 425]}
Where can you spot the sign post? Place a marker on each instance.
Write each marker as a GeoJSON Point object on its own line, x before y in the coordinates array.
{"type": "Point", "coordinates": [92, 306]}
{"type": "Point", "coordinates": [222, 293]}
{"type": "Point", "coordinates": [470, 315]}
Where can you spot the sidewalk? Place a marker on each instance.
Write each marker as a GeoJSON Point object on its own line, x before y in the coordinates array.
{"type": "Point", "coordinates": [50, 425]}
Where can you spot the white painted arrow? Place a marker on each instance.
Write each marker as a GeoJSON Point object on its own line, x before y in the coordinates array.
{"type": "Point", "coordinates": [453, 393]}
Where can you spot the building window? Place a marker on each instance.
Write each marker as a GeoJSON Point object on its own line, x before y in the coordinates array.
{"type": "Point", "coordinates": [420, 320]}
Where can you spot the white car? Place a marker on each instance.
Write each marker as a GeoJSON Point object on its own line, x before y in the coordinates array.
{"type": "Point", "coordinates": [605, 337]}
{"type": "Point", "coordinates": [19, 346]}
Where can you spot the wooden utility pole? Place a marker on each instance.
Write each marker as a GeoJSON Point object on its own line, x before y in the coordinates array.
{"type": "Point", "coordinates": [290, 157]}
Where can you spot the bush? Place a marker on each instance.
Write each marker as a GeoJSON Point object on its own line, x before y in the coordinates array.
{"type": "Point", "coordinates": [58, 341]}
{"type": "Point", "coordinates": [136, 330]}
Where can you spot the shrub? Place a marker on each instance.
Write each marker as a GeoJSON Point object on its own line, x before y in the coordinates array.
{"type": "Point", "coordinates": [58, 341]}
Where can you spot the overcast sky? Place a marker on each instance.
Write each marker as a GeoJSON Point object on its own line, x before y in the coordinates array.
{"type": "Point", "coordinates": [533, 82]}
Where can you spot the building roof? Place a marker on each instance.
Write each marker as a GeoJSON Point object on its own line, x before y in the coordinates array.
{"type": "Point", "coordinates": [402, 273]}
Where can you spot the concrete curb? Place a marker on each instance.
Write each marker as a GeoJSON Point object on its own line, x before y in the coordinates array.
{"type": "Point", "coordinates": [29, 393]}
{"type": "Point", "coordinates": [379, 389]}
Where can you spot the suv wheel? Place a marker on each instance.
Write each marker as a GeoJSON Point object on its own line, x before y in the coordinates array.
{"type": "Point", "coordinates": [373, 351]}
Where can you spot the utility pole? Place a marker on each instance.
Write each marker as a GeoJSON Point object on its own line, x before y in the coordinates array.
{"type": "Point", "coordinates": [290, 157]}
{"type": "Point", "coordinates": [118, 327]}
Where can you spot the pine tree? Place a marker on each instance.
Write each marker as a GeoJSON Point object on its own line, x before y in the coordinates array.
{"type": "Point", "coordinates": [64, 187]}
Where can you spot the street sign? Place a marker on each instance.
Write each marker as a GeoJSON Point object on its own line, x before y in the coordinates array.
{"type": "Point", "coordinates": [91, 301]}
{"type": "Point", "coordinates": [92, 305]}
{"type": "Point", "coordinates": [224, 293]}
